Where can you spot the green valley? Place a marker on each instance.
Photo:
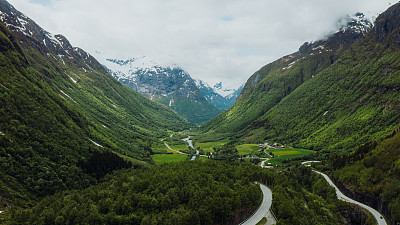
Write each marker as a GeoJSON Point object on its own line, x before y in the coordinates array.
{"type": "Point", "coordinates": [79, 147]}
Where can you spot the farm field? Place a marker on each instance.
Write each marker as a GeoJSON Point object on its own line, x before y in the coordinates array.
{"type": "Point", "coordinates": [208, 146]}
{"type": "Point", "coordinates": [163, 158]}
{"type": "Point", "coordinates": [286, 154]}
{"type": "Point", "coordinates": [246, 149]}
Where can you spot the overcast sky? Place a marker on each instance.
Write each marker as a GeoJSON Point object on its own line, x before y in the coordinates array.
{"type": "Point", "coordinates": [213, 40]}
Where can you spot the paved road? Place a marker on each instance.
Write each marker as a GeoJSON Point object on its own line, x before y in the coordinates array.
{"type": "Point", "coordinates": [190, 142]}
{"type": "Point", "coordinates": [341, 196]}
{"type": "Point", "coordinates": [263, 163]}
{"type": "Point", "coordinates": [263, 211]}
{"type": "Point", "coordinates": [309, 162]}
{"type": "Point", "coordinates": [173, 150]}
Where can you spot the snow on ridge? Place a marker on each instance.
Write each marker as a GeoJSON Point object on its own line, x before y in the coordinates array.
{"type": "Point", "coordinates": [220, 89]}
{"type": "Point", "coordinates": [224, 92]}
{"type": "Point", "coordinates": [200, 83]}
{"type": "Point", "coordinates": [53, 39]}
{"type": "Point", "coordinates": [357, 23]}
{"type": "Point", "coordinates": [72, 79]}
{"type": "Point", "coordinates": [96, 143]}
{"type": "Point", "coordinates": [67, 96]}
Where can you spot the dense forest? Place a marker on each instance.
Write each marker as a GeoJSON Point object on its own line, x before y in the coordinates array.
{"type": "Point", "coordinates": [371, 174]}
{"type": "Point", "coordinates": [191, 193]}
{"type": "Point", "coordinates": [178, 193]}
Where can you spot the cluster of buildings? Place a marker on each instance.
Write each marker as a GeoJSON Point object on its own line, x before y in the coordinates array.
{"type": "Point", "coordinates": [266, 145]}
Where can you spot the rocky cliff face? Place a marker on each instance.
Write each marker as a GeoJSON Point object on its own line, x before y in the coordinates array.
{"type": "Point", "coordinates": [387, 26]}
{"type": "Point", "coordinates": [217, 95]}
{"type": "Point", "coordinates": [56, 46]}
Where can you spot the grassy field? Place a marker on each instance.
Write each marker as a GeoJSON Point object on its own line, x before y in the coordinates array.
{"type": "Point", "coordinates": [262, 221]}
{"type": "Point", "coordinates": [247, 149]}
{"type": "Point", "coordinates": [179, 147]}
{"type": "Point", "coordinates": [175, 157]}
{"type": "Point", "coordinates": [286, 154]}
{"type": "Point", "coordinates": [203, 159]}
{"type": "Point", "coordinates": [208, 146]}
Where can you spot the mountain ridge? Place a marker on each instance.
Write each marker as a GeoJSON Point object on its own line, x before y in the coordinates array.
{"type": "Point", "coordinates": [216, 95]}
{"type": "Point", "coordinates": [168, 85]}
{"type": "Point", "coordinates": [59, 108]}
{"type": "Point", "coordinates": [263, 111]}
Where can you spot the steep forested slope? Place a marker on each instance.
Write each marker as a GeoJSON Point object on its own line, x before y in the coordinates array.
{"type": "Point", "coordinates": [371, 174]}
{"type": "Point", "coordinates": [343, 99]}
{"type": "Point", "coordinates": [58, 105]}
{"type": "Point", "coordinates": [268, 86]}
{"type": "Point", "coordinates": [355, 100]}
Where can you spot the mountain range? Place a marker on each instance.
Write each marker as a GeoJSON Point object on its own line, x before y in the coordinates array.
{"type": "Point", "coordinates": [221, 97]}
{"type": "Point", "coordinates": [172, 86]}
{"type": "Point", "coordinates": [67, 123]}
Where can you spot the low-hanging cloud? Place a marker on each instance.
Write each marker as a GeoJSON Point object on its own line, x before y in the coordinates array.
{"type": "Point", "coordinates": [224, 40]}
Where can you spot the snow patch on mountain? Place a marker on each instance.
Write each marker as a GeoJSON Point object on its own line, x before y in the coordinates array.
{"type": "Point", "coordinates": [357, 23]}
{"type": "Point", "coordinates": [217, 95]}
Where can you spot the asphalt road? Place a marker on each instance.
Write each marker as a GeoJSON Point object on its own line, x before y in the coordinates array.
{"type": "Point", "coordinates": [380, 219]}
{"type": "Point", "coordinates": [263, 211]}
{"type": "Point", "coordinates": [174, 150]}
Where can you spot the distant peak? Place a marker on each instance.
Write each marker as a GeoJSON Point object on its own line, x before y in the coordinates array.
{"type": "Point", "coordinates": [356, 23]}
{"type": "Point", "coordinates": [218, 85]}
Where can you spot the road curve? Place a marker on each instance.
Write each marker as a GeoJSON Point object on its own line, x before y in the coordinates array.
{"type": "Point", "coordinates": [263, 210]}
{"type": "Point", "coordinates": [174, 150]}
{"type": "Point", "coordinates": [379, 218]}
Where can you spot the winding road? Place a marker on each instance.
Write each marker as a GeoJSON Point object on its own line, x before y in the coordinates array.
{"type": "Point", "coordinates": [379, 218]}
{"type": "Point", "coordinates": [173, 149]}
{"type": "Point", "coordinates": [263, 210]}
{"type": "Point", "coordinates": [190, 142]}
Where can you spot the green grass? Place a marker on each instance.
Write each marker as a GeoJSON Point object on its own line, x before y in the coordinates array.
{"type": "Point", "coordinates": [176, 157]}
{"type": "Point", "coordinates": [174, 147]}
{"type": "Point", "coordinates": [247, 149]}
{"type": "Point", "coordinates": [208, 146]}
{"type": "Point", "coordinates": [262, 221]}
{"type": "Point", "coordinates": [203, 159]}
{"type": "Point", "coordinates": [287, 154]}
{"type": "Point", "coordinates": [179, 147]}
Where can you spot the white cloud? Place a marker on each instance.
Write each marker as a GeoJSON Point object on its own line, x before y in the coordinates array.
{"type": "Point", "coordinates": [225, 40]}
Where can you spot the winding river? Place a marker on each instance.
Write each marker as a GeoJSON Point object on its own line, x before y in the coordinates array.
{"type": "Point", "coordinates": [190, 142]}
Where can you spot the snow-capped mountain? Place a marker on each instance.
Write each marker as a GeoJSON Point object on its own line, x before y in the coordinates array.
{"type": "Point", "coordinates": [357, 23]}
{"type": "Point", "coordinates": [170, 85]}
{"type": "Point", "coordinates": [217, 95]}
{"type": "Point", "coordinates": [55, 46]}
